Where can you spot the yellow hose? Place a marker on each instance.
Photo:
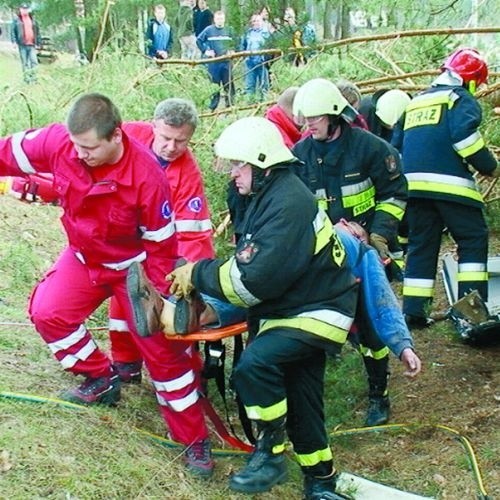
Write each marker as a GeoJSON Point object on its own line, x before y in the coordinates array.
{"type": "Point", "coordinates": [222, 452]}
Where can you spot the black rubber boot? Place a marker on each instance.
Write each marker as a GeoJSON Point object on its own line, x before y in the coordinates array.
{"type": "Point", "coordinates": [379, 406]}
{"type": "Point", "coordinates": [379, 411]}
{"type": "Point", "coordinates": [321, 488]}
{"type": "Point", "coordinates": [265, 469]}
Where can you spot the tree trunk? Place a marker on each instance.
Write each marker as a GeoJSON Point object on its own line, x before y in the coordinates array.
{"type": "Point", "coordinates": [328, 21]}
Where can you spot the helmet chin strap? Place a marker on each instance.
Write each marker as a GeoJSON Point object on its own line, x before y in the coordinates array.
{"type": "Point", "coordinates": [258, 178]}
{"type": "Point", "coordinates": [333, 124]}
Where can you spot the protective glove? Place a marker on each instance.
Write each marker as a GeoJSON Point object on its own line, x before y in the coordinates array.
{"type": "Point", "coordinates": [181, 285]}
{"type": "Point", "coordinates": [496, 172]}
{"type": "Point", "coordinates": [380, 244]}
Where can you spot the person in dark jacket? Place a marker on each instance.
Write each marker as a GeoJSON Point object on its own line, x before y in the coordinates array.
{"type": "Point", "coordinates": [214, 41]}
{"type": "Point", "coordinates": [184, 28]}
{"type": "Point", "coordinates": [383, 110]}
{"type": "Point", "coordinates": [299, 308]}
{"type": "Point", "coordinates": [25, 34]}
{"type": "Point", "coordinates": [202, 16]}
{"type": "Point", "coordinates": [159, 35]}
{"type": "Point", "coordinates": [440, 142]}
{"type": "Point", "coordinates": [357, 176]}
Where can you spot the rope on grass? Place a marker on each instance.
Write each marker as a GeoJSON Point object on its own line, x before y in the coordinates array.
{"type": "Point", "coordinates": [466, 444]}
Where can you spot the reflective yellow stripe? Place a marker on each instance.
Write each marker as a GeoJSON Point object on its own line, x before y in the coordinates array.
{"type": "Point", "coordinates": [391, 209]}
{"type": "Point", "coordinates": [425, 101]}
{"type": "Point", "coordinates": [323, 228]}
{"type": "Point", "coordinates": [267, 414]}
{"type": "Point", "coordinates": [360, 198]}
{"type": "Point", "coordinates": [437, 187]}
{"type": "Point", "coordinates": [473, 148]}
{"type": "Point", "coordinates": [311, 325]}
{"type": "Point", "coordinates": [232, 286]}
{"type": "Point", "coordinates": [413, 291]}
{"type": "Point", "coordinates": [278, 448]}
{"type": "Point", "coordinates": [369, 353]}
{"type": "Point", "coordinates": [472, 276]}
{"type": "Point", "coordinates": [310, 459]}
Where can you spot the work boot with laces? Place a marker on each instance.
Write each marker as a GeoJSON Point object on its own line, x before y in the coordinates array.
{"type": "Point", "coordinates": [199, 460]}
{"type": "Point", "coordinates": [99, 390]}
{"type": "Point", "coordinates": [266, 468]}
{"type": "Point", "coordinates": [378, 411]}
{"type": "Point", "coordinates": [129, 373]}
{"type": "Point", "coordinates": [321, 488]}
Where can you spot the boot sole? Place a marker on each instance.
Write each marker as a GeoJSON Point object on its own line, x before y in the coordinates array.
{"type": "Point", "coordinates": [248, 488]}
{"type": "Point", "coordinates": [133, 290]}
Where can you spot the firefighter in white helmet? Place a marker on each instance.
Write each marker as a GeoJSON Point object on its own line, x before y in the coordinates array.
{"type": "Point", "coordinates": [383, 110]}
{"type": "Point", "coordinates": [356, 176]}
{"type": "Point", "coordinates": [289, 270]}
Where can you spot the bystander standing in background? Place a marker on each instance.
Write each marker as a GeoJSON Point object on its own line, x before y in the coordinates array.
{"type": "Point", "coordinates": [184, 26]}
{"type": "Point", "coordinates": [159, 34]}
{"type": "Point", "coordinates": [202, 16]}
{"type": "Point", "coordinates": [26, 35]}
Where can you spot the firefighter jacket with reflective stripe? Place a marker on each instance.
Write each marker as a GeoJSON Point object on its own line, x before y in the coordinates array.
{"type": "Point", "coordinates": [358, 177]}
{"type": "Point", "coordinates": [189, 203]}
{"type": "Point", "coordinates": [440, 139]}
{"type": "Point", "coordinates": [380, 305]}
{"type": "Point", "coordinates": [112, 214]}
{"type": "Point", "coordinates": [289, 266]}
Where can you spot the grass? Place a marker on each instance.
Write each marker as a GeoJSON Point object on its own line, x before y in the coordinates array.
{"type": "Point", "coordinates": [48, 451]}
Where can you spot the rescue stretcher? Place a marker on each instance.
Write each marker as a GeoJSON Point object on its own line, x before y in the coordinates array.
{"type": "Point", "coordinates": [476, 321]}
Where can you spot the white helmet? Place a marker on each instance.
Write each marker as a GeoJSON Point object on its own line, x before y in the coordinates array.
{"type": "Point", "coordinates": [391, 105]}
{"type": "Point", "coordinates": [319, 97]}
{"type": "Point", "coordinates": [253, 140]}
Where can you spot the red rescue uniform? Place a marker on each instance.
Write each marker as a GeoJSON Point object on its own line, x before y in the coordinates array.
{"type": "Point", "coordinates": [113, 215]}
{"type": "Point", "coordinates": [193, 229]}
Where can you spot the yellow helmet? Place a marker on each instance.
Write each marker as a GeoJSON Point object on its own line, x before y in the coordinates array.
{"type": "Point", "coordinates": [253, 140]}
{"type": "Point", "coordinates": [319, 97]}
{"type": "Point", "coordinates": [391, 105]}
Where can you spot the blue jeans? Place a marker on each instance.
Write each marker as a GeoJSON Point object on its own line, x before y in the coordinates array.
{"type": "Point", "coordinates": [29, 62]}
{"type": "Point", "coordinates": [227, 314]}
{"type": "Point", "coordinates": [256, 79]}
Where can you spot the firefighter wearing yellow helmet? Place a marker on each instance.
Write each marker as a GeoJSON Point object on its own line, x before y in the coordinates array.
{"type": "Point", "coordinates": [289, 271]}
{"type": "Point", "coordinates": [356, 176]}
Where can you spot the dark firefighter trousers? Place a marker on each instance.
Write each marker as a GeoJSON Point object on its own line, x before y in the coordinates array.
{"type": "Point", "coordinates": [275, 367]}
{"type": "Point", "coordinates": [427, 219]}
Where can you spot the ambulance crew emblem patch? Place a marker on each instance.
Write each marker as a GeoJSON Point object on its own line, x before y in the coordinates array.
{"type": "Point", "coordinates": [194, 204]}
{"type": "Point", "coordinates": [391, 164]}
{"type": "Point", "coordinates": [166, 212]}
{"type": "Point", "coordinates": [247, 253]}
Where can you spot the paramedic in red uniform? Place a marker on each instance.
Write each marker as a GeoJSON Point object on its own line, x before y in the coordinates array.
{"type": "Point", "coordinates": [168, 135]}
{"type": "Point", "coordinates": [116, 211]}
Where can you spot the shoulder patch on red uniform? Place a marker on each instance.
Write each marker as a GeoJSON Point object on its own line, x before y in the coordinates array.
{"type": "Point", "coordinates": [391, 164]}
{"type": "Point", "coordinates": [166, 211]}
{"type": "Point", "coordinates": [247, 253]}
{"type": "Point", "coordinates": [195, 204]}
